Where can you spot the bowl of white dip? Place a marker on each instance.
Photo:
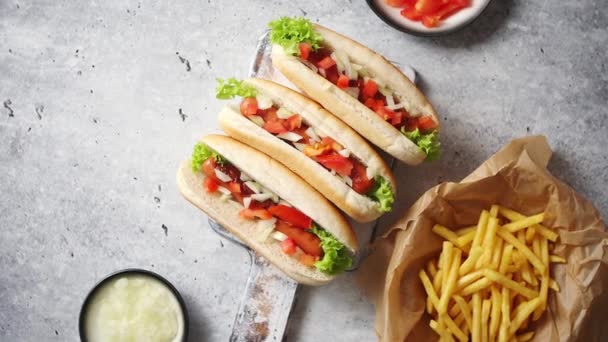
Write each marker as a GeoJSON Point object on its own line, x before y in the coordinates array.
{"type": "Point", "coordinates": [133, 305]}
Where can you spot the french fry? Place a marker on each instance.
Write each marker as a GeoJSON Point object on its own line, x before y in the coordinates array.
{"type": "Point", "coordinates": [465, 309]}
{"type": "Point", "coordinates": [445, 233]}
{"type": "Point", "coordinates": [494, 210]}
{"type": "Point", "coordinates": [454, 329]}
{"type": "Point", "coordinates": [447, 252]}
{"type": "Point", "coordinates": [530, 232]}
{"type": "Point", "coordinates": [524, 223]}
{"type": "Point", "coordinates": [476, 330]}
{"type": "Point", "coordinates": [539, 228]}
{"type": "Point", "coordinates": [523, 311]}
{"type": "Point", "coordinates": [495, 313]}
{"type": "Point", "coordinates": [481, 228]}
{"type": "Point", "coordinates": [488, 243]}
{"type": "Point", "coordinates": [428, 287]}
{"type": "Point", "coordinates": [485, 314]}
{"type": "Point", "coordinates": [431, 269]}
{"type": "Point", "coordinates": [557, 258]}
{"type": "Point", "coordinates": [474, 255]}
{"type": "Point", "coordinates": [464, 240]}
{"type": "Point", "coordinates": [468, 279]}
{"type": "Point", "coordinates": [536, 247]}
{"type": "Point", "coordinates": [504, 281]}
{"type": "Point", "coordinates": [546, 232]}
{"type": "Point", "coordinates": [477, 286]}
{"type": "Point", "coordinates": [496, 254]}
{"type": "Point", "coordinates": [505, 316]}
{"type": "Point", "coordinates": [534, 260]}
{"type": "Point", "coordinates": [450, 285]}
{"type": "Point", "coordinates": [464, 231]}
{"type": "Point", "coordinates": [553, 285]}
{"type": "Point", "coordinates": [437, 281]}
{"type": "Point", "coordinates": [506, 258]}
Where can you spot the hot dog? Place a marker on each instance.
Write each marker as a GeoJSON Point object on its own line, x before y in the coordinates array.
{"type": "Point", "coordinates": [314, 144]}
{"type": "Point", "coordinates": [359, 86]}
{"type": "Point", "coordinates": [271, 209]}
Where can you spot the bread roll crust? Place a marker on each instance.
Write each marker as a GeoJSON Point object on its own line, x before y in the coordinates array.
{"type": "Point", "coordinates": [349, 109]}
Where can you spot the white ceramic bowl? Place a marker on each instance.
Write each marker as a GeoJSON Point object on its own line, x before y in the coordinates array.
{"type": "Point", "coordinates": [392, 17]}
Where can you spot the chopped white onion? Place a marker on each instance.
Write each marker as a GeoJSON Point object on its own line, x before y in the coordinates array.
{"type": "Point", "coordinates": [291, 136]}
{"type": "Point", "coordinates": [222, 176]}
{"type": "Point", "coordinates": [225, 197]}
{"type": "Point", "coordinates": [285, 203]}
{"type": "Point", "coordinates": [322, 72]}
{"type": "Point", "coordinates": [390, 101]}
{"type": "Point", "coordinates": [339, 63]}
{"type": "Point", "coordinates": [385, 91]}
{"type": "Point", "coordinates": [299, 146]}
{"type": "Point", "coordinates": [257, 120]}
{"type": "Point", "coordinates": [223, 190]}
{"type": "Point", "coordinates": [264, 229]}
{"type": "Point", "coordinates": [244, 177]}
{"type": "Point", "coordinates": [310, 65]}
{"type": "Point", "coordinates": [247, 202]}
{"type": "Point", "coordinates": [277, 235]}
{"type": "Point", "coordinates": [366, 78]}
{"type": "Point", "coordinates": [370, 173]}
{"type": "Point", "coordinates": [255, 187]}
{"type": "Point", "coordinates": [396, 106]}
{"type": "Point", "coordinates": [283, 113]}
{"type": "Point", "coordinates": [352, 91]}
{"type": "Point", "coordinates": [312, 134]}
{"type": "Point", "coordinates": [357, 67]}
{"type": "Point", "coordinates": [264, 102]}
{"type": "Point", "coordinates": [347, 180]}
{"type": "Point", "coordinates": [261, 197]}
{"type": "Point", "coordinates": [344, 153]}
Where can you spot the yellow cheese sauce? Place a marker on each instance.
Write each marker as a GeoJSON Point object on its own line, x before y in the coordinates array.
{"type": "Point", "coordinates": [134, 308]}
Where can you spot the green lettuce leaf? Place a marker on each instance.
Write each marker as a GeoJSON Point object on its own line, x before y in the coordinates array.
{"type": "Point", "coordinates": [201, 153]}
{"type": "Point", "coordinates": [336, 257]}
{"type": "Point", "coordinates": [383, 194]}
{"type": "Point", "coordinates": [228, 89]}
{"type": "Point", "coordinates": [290, 32]}
{"type": "Point", "coordinates": [427, 142]}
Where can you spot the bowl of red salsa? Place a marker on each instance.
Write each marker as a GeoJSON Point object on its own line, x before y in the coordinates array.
{"type": "Point", "coordinates": [428, 17]}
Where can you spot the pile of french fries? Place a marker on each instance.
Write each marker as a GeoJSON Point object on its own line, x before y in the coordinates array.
{"type": "Point", "coordinates": [491, 280]}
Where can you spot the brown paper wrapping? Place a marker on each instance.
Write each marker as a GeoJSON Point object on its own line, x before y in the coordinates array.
{"type": "Point", "coordinates": [515, 177]}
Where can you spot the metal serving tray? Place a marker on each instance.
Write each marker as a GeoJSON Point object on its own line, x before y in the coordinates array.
{"type": "Point", "coordinates": [269, 295]}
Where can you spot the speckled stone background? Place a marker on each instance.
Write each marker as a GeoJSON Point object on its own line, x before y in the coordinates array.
{"type": "Point", "coordinates": [102, 99]}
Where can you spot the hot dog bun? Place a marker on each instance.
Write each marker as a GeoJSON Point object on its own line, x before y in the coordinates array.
{"type": "Point", "coordinates": [359, 207]}
{"type": "Point", "coordinates": [281, 181]}
{"type": "Point", "coordinates": [350, 110]}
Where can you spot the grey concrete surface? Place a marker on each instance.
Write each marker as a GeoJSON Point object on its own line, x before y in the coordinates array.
{"type": "Point", "coordinates": [102, 99]}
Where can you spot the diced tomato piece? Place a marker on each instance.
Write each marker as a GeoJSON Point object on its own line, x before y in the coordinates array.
{"type": "Point", "coordinates": [397, 118]}
{"type": "Point", "coordinates": [428, 7]}
{"type": "Point", "coordinates": [308, 242]}
{"type": "Point", "coordinates": [430, 21]}
{"type": "Point", "coordinates": [385, 113]}
{"type": "Point", "coordinates": [275, 126]}
{"type": "Point", "coordinates": [316, 150]}
{"type": "Point", "coordinates": [370, 102]}
{"type": "Point", "coordinates": [210, 184]}
{"type": "Point", "coordinates": [251, 214]}
{"type": "Point", "coordinates": [237, 197]}
{"type": "Point", "coordinates": [308, 259]}
{"type": "Point", "coordinates": [315, 56]}
{"type": "Point", "coordinates": [269, 114]}
{"type": "Point", "coordinates": [305, 49]}
{"type": "Point", "coordinates": [209, 168]}
{"type": "Point", "coordinates": [249, 106]}
{"type": "Point", "coordinates": [411, 13]}
{"type": "Point", "coordinates": [326, 63]}
{"type": "Point", "coordinates": [412, 124]}
{"type": "Point", "coordinates": [332, 74]}
{"type": "Point", "coordinates": [426, 123]}
{"type": "Point", "coordinates": [260, 205]}
{"type": "Point", "coordinates": [293, 122]}
{"type": "Point", "coordinates": [288, 246]}
{"type": "Point", "coordinates": [291, 215]}
{"type": "Point", "coordinates": [361, 184]}
{"type": "Point", "coordinates": [370, 88]}
{"type": "Point", "coordinates": [336, 162]}
{"type": "Point", "coordinates": [342, 82]}
{"type": "Point", "coordinates": [451, 8]}
{"type": "Point", "coordinates": [234, 187]}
